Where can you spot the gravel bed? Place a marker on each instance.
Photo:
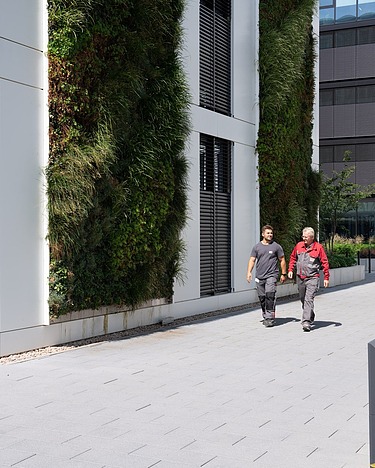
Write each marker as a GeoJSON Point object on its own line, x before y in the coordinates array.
{"type": "Point", "coordinates": [48, 350]}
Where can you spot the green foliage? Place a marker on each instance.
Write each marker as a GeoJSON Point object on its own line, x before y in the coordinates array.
{"type": "Point", "coordinates": [338, 259]}
{"type": "Point", "coordinates": [367, 250]}
{"type": "Point", "coordinates": [345, 251]}
{"type": "Point", "coordinates": [289, 188]}
{"type": "Point", "coordinates": [339, 196]}
{"type": "Point", "coordinates": [59, 283]}
{"type": "Point", "coordinates": [71, 187]}
{"type": "Point", "coordinates": [117, 172]}
{"type": "Point", "coordinates": [285, 34]}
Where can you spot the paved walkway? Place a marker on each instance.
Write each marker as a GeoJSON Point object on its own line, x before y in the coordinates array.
{"type": "Point", "coordinates": [224, 392]}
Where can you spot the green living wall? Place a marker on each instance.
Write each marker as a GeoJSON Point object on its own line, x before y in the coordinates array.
{"type": "Point", "coordinates": [117, 173]}
{"type": "Point", "coordinates": [289, 188]}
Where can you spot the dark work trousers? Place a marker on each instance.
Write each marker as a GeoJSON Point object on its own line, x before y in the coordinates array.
{"type": "Point", "coordinates": [266, 289]}
{"type": "Point", "coordinates": [307, 289]}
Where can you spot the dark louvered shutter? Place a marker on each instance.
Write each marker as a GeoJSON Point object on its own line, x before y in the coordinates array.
{"type": "Point", "coordinates": [215, 215]}
{"type": "Point", "coordinates": [215, 55]}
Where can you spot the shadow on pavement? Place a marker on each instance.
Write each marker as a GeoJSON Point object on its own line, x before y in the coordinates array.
{"type": "Point", "coordinates": [321, 324]}
{"type": "Point", "coordinates": [284, 320]}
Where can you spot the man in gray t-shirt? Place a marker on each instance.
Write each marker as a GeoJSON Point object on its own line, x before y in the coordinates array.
{"type": "Point", "coordinates": [265, 256]}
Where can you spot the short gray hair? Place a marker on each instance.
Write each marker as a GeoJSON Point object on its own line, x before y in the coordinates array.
{"type": "Point", "coordinates": [309, 231]}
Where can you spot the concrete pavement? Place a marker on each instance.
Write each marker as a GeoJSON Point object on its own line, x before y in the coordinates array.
{"type": "Point", "coordinates": [221, 392]}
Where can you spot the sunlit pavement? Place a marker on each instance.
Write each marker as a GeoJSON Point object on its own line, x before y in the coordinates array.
{"type": "Point", "coordinates": [224, 392]}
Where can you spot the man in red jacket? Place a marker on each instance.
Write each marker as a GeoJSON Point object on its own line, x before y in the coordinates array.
{"type": "Point", "coordinates": [308, 257]}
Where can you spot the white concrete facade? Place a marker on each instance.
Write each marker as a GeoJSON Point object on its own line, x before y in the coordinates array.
{"type": "Point", "coordinates": [24, 320]}
{"type": "Point", "coordinates": [241, 129]}
{"type": "Point", "coordinates": [24, 151]}
{"type": "Point", "coordinates": [315, 133]}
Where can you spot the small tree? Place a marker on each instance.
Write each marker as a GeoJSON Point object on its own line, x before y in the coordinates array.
{"type": "Point", "coordinates": [338, 197]}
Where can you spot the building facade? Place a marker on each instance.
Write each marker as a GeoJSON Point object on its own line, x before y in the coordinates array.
{"type": "Point", "coordinates": [347, 98]}
{"type": "Point", "coordinates": [219, 54]}
{"type": "Point", "coordinates": [223, 196]}
{"type": "Point", "coordinates": [24, 152]}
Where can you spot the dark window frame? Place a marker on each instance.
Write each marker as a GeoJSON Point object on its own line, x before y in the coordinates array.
{"type": "Point", "coordinates": [357, 18]}
{"type": "Point", "coordinates": [331, 96]}
{"type": "Point", "coordinates": [356, 32]}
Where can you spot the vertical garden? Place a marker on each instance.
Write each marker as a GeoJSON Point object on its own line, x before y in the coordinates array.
{"type": "Point", "coordinates": [118, 124]}
{"type": "Point", "coordinates": [289, 188]}
{"type": "Point", "coordinates": [117, 172]}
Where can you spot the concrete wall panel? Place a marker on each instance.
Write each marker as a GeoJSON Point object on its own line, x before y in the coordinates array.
{"type": "Point", "coordinates": [365, 66]}
{"type": "Point", "coordinates": [344, 120]}
{"type": "Point", "coordinates": [22, 212]}
{"type": "Point", "coordinates": [344, 63]}
{"type": "Point", "coordinates": [365, 119]}
{"type": "Point", "coordinates": [23, 155]}
{"type": "Point", "coordinates": [326, 122]}
{"type": "Point", "coordinates": [241, 129]}
{"type": "Point", "coordinates": [326, 64]}
{"type": "Point", "coordinates": [21, 21]}
{"type": "Point", "coordinates": [244, 62]}
{"type": "Point", "coordinates": [21, 64]}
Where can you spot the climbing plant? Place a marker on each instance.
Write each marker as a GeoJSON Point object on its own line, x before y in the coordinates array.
{"type": "Point", "coordinates": [289, 187]}
{"type": "Point", "coordinates": [117, 172]}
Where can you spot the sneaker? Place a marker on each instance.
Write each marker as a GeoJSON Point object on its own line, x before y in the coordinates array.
{"type": "Point", "coordinates": [306, 327]}
{"type": "Point", "coordinates": [268, 322]}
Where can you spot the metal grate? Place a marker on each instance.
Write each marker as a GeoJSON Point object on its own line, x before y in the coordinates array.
{"type": "Point", "coordinates": [215, 216]}
{"type": "Point", "coordinates": [215, 55]}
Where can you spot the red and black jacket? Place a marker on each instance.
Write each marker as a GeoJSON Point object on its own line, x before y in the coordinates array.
{"type": "Point", "coordinates": [309, 260]}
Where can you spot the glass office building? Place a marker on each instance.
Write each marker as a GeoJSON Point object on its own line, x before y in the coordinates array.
{"type": "Point", "coordinates": [345, 11]}
{"type": "Point", "coordinates": [347, 98]}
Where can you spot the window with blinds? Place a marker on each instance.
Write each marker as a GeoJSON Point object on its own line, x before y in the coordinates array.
{"type": "Point", "coordinates": [347, 95]}
{"type": "Point", "coordinates": [215, 215]}
{"type": "Point", "coordinates": [215, 55]}
{"type": "Point", "coordinates": [347, 37]}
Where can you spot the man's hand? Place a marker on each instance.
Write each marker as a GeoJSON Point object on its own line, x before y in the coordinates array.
{"type": "Point", "coordinates": [249, 276]}
{"type": "Point", "coordinates": [290, 274]}
{"type": "Point", "coordinates": [282, 278]}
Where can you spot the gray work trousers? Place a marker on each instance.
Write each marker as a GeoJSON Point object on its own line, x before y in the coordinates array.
{"type": "Point", "coordinates": [307, 289]}
{"type": "Point", "coordinates": [266, 289]}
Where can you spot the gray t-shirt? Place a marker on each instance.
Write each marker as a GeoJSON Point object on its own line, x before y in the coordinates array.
{"type": "Point", "coordinates": [267, 259]}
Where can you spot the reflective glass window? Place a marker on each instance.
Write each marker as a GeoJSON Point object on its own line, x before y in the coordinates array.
{"type": "Point", "coordinates": [366, 207]}
{"type": "Point", "coordinates": [366, 35]}
{"type": "Point", "coordinates": [326, 97]}
{"type": "Point", "coordinates": [326, 3]}
{"type": "Point", "coordinates": [344, 96]}
{"type": "Point", "coordinates": [327, 16]}
{"type": "Point", "coordinates": [365, 94]}
{"type": "Point", "coordinates": [366, 152]}
{"type": "Point", "coordinates": [326, 40]}
{"type": "Point", "coordinates": [346, 10]}
{"type": "Point", "coordinates": [366, 9]}
{"type": "Point", "coordinates": [345, 38]}
{"type": "Point", "coordinates": [326, 154]}
{"type": "Point", "coordinates": [340, 151]}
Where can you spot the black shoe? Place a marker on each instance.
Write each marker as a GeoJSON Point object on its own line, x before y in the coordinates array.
{"type": "Point", "coordinates": [268, 323]}
{"type": "Point", "coordinates": [306, 327]}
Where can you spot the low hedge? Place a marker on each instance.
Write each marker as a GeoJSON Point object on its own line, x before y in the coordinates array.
{"type": "Point", "coordinates": [340, 260]}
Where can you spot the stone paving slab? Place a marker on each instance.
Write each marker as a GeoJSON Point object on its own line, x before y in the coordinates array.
{"type": "Point", "coordinates": [221, 392]}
